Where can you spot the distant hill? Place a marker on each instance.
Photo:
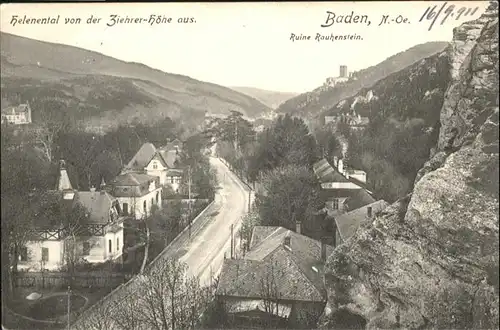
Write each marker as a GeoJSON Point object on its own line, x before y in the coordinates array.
{"type": "Point", "coordinates": [102, 89]}
{"type": "Point", "coordinates": [272, 99]}
{"type": "Point", "coordinates": [323, 98]}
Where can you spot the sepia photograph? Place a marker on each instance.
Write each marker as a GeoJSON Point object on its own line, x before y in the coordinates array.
{"type": "Point", "coordinates": [250, 165]}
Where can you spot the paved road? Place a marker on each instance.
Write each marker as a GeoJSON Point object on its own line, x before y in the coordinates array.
{"type": "Point", "coordinates": [203, 251]}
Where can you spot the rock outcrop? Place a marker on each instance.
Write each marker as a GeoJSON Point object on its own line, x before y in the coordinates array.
{"type": "Point", "coordinates": [431, 260]}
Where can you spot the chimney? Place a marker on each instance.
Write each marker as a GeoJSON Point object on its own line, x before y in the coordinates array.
{"type": "Point", "coordinates": [340, 166]}
{"type": "Point", "coordinates": [287, 242]}
{"type": "Point", "coordinates": [323, 249]}
{"type": "Point", "coordinates": [298, 227]}
{"type": "Point", "coordinates": [63, 184]}
{"type": "Point", "coordinates": [103, 184]}
{"type": "Point", "coordinates": [369, 211]}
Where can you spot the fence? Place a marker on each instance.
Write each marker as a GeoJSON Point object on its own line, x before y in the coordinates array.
{"type": "Point", "coordinates": [78, 280]}
{"type": "Point", "coordinates": [185, 201]}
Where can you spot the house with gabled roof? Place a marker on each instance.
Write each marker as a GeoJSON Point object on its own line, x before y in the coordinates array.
{"type": "Point", "coordinates": [279, 281]}
{"type": "Point", "coordinates": [137, 193]}
{"type": "Point", "coordinates": [163, 163]}
{"type": "Point", "coordinates": [348, 200]}
{"type": "Point", "coordinates": [86, 224]}
{"type": "Point", "coordinates": [340, 193]}
{"type": "Point", "coordinates": [141, 158]}
{"type": "Point", "coordinates": [175, 144]}
{"type": "Point", "coordinates": [348, 223]}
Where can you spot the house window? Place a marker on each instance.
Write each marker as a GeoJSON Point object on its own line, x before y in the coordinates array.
{"type": "Point", "coordinates": [110, 246]}
{"type": "Point", "coordinates": [152, 201]}
{"type": "Point", "coordinates": [125, 208]}
{"type": "Point", "coordinates": [45, 254]}
{"type": "Point", "coordinates": [23, 254]}
{"type": "Point", "coordinates": [335, 204]}
{"type": "Point", "coordinates": [157, 197]}
{"type": "Point", "coordinates": [171, 179]}
{"type": "Point", "coordinates": [86, 248]}
{"type": "Point", "coordinates": [145, 206]}
{"type": "Point", "coordinates": [117, 244]}
{"type": "Point", "coordinates": [155, 166]}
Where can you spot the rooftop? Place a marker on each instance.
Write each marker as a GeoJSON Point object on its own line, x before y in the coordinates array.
{"type": "Point", "coordinates": [142, 157]}
{"type": "Point", "coordinates": [170, 157]}
{"type": "Point", "coordinates": [173, 145]}
{"type": "Point", "coordinates": [326, 173]}
{"type": "Point", "coordinates": [12, 110]}
{"type": "Point", "coordinates": [132, 179]}
{"type": "Point", "coordinates": [290, 267]}
{"type": "Point", "coordinates": [349, 222]}
{"type": "Point", "coordinates": [97, 203]}
{"type": "Point", "coordinates": [359, 198]}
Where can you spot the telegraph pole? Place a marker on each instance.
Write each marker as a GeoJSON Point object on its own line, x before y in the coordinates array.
{"type": "Point", "coordinates": [69, 306]}
{"type": "Point", "coordinates": [232, 242]}
{"type": "Point", "coordinates": [211, 276]}
{"type": "Point", "coordinates": [189, 198]}
{"type": "Point", "coordinates": [249, 198]}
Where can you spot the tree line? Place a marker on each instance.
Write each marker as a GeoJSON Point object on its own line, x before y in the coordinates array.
{"type": "Point", "coordinates": [30, 167]}
{"type": "Point", "coordinates": [165, 298]}
{"type": "Point", "coordinates": [279, 163]}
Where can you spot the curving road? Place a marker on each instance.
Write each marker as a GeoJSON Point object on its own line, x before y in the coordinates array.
{"type": "Point", "coordinates": [205, 251]}
{"type": "Point", "coordinates": [204, 247]}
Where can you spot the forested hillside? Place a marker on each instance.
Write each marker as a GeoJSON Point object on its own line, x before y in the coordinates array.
{"type": "Point", "coordinates": [323, 98]}
{"type": "Point", "coordinates": [404, 113]}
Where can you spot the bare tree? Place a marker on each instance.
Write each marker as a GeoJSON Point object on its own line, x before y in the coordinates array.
{"type": "Point", "coordinates": [45, 136]}
{"type": "Point", "coordinates": [166, 298]}
{"type": "Point", "coordinates": [74, 219]}
{"type": "Point", "coordinates": [170, 299]}
{"type": "Point", "coordinates": [17, 230]}
{"type": "Point", "coordinates": [127, 316]}
{"type": "Point", "coordinates": [249, 221]}
{"type": "Point", "coordinates": [161, 288]}
{"type": "Point", "coordinates": [101, 318]}
{"type": "Point", "coordinates": [55, 120]}
{"type": "Point", "coordinates": [272, 275]}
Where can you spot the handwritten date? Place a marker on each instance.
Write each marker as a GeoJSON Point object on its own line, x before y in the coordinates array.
{"type": "Point", "coordinates": [446, 11]}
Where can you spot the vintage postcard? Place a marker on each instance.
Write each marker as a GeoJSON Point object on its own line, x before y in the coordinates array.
{"type": "Point", "coordinates": [280, 165]}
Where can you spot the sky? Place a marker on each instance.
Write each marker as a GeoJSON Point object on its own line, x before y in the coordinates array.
{"type": "Point", "coordinates": [243, 44]}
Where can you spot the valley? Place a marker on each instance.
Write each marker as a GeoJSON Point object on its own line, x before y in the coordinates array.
{"type": "Point", "coordinates": [134, 198]}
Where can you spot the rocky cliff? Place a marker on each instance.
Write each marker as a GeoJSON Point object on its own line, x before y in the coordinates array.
{"type": "Point", "coordinates": [431, 259]}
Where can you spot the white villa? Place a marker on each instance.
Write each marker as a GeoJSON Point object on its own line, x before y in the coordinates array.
{"type": "Point", "coordinates": [163, 163]}
{"type": "Point", "coordinates": [136, 193]}
{"type": "Point", "coordinates": [98, 239]}
{"type": "Point", "coordinates": [17, 115]}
